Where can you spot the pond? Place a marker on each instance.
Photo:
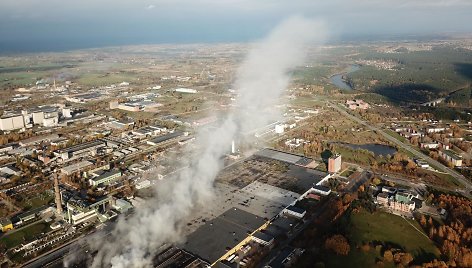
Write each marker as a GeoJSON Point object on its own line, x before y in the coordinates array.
{"type": "Point", "coordinates": [377, 149]}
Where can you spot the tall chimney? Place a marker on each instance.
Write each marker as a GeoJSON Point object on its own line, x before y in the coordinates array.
{"type": "Point", "coordinates": [57, 195]}
{"type": "Point", "coordinates": [233, 147]}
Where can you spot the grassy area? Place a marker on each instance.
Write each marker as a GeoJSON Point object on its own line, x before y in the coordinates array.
{"type": "Point", "coordinates": [446, 177]}
{"type": "Point", "coordinates": [97, 79]}
{"type": "Point", "coordinates": [312, 75]}
{"type": "Point", "coordinates": [37, 201]}
{"type": "Point", "coordinates": [396, 135]}
{"type": "Point", "coordinates": [384, 228]}
{"type": "Point", "coordinates": [347, 172]}
{"type": "Point", "coordinates": [356, 156]}
{"type": "Point", "coordinates": [15, 238]}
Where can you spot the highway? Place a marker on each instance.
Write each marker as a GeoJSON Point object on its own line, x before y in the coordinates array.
{"type": "Point", "coordinates": [407, 147]}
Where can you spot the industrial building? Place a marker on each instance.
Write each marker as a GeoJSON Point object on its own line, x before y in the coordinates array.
{"type": "Point", "coordinates": [287, 257]}
{"type": "Point", "coordinates": [185, 90]}
{"type": "Point", "coordinates": [12, 122]}
{"type": "Point", "coordinates": [320, 189]}
{"type": "Point", "coordinates": [76, 167]}
{"type": "Point", "coordinates": [163, 138]}
{"type": "Point", "coordinates": [47, 116]}
{"type": "Point", "coordinates": [78, 213]}
{"type": "Point", "coordinates": [83, 98]}
{"type": "Point", "coordinates": [149, 131]}
{"type": "Point", "coordinates": [175, 257]}
{"type": "Point", "coordinates": [79, 210]}
{"type": "Point", "coordinates": [263, 238]}
{"type": "Point", "coordinates": [38, 139]}
{"type": "Point", "coordinates": [6, 225]}
{"type": "Point", "coordinates": [293, 211]}
{"type": "Point", "coordinates": [213, 239]}
{"type": "Point", "coordinates": [290, 158]}
{"type": "Point", "coordinates": [80, 150]}
{"type": "Point", "coordinates": [105, 178]}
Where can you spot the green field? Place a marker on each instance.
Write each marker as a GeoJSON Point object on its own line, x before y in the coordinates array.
{"type": "Point", "coordinates": [383, 228]}
{"type": "Point", "coordinates": [396, 135]}
{"type": "Point", "coordinates": [16, 237]}
{"type": "Point", "coordinates": [106, 79]}
{"type": "Point", "coordinates": [356, 156]}
{"type": "Point", "coordinates": [37, 201]}
{"type": "Point", "coordinates": [348, 172]}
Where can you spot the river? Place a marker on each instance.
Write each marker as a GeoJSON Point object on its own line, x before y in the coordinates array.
{"type": "Point", "coordinates": [338, 80]}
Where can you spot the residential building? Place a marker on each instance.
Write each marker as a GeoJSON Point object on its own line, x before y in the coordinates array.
{"type": "Point", "coordinates": [422, 163]}
{"type": "Point", "coordinates": [429, 145]}
{"type": "Point", "coordinates": [334, 163]}
{"type": "Point", "coordinates": [399, 202]}
{"type": "Point", "coordinates": [451, 157]}
{"type": "Point", "coordinates": [382, 199]}
{"type": "Point", "coordinates": [435, 129]}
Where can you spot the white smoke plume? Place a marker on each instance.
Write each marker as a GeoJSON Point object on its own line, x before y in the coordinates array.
{"type": "Point", "coordinates": [261, 79]}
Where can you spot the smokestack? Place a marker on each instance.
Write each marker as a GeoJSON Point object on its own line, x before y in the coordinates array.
{"type": "Point", "coordinates": [57, 195]}
{"type": "Point", "coordinates": [233, 147]}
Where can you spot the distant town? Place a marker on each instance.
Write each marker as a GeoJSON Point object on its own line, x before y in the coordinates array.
{"type": "Point", "coordinates": [376, 172]}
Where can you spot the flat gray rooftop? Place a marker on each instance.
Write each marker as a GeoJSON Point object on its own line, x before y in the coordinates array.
{"type": "Point", "coordinates": [280, 156]}
{"type": "Point", "coordinates": [213, 239]}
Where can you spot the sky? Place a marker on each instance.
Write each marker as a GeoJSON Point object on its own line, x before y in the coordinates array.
{"type": "Point", "coordinates": [37, 25]}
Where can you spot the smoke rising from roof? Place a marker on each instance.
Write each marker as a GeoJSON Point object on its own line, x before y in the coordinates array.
{"type": "Point", "coordinates": [261, 79]}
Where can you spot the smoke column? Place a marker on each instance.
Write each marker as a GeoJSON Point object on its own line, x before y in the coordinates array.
{"type": "Point", "coordinates": [261, 79]}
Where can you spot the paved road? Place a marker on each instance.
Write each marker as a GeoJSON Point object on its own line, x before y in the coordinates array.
{"type": "Point", "coordinates": [406, 147]}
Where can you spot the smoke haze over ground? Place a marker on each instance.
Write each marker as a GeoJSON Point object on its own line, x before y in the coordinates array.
{"type": "Point", "coordinates": [261, 79]}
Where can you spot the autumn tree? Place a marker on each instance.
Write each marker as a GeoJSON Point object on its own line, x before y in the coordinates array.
{"type": "Point", "coordinates": [403, 258]}
{"type": "Point", "coordinates": [423, 220]}
{"type": "Point", "coordinates": [338, 244]}
{"type": "Point", "coordinates": [388, 256]}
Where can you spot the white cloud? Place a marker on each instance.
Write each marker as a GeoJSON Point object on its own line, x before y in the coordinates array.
{"type": "Point", "coordinates": [151, 7]}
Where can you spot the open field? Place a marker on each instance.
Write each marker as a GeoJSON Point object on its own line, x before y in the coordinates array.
{"type": "Point", "coordinates": [15, 238]}
{"type": "Point", "coordinates": [381, 228]}
{"type": "Point", "coordinates": [36, 201]}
